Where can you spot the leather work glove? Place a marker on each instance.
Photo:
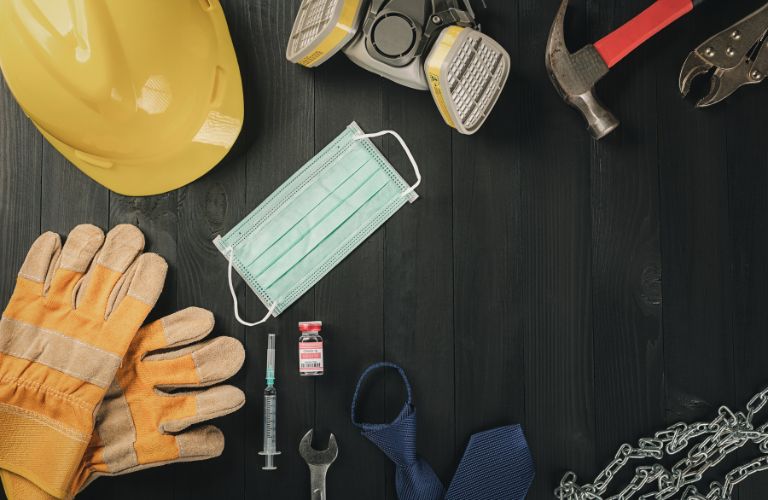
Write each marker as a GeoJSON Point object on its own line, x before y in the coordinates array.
{"type": "Point", "coordinates": [157, 395]}
{"type": "Point", "coordinates": [70, 320]}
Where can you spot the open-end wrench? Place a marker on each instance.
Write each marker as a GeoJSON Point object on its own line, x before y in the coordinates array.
{"type": "Point", "coordinates": [318, 462]}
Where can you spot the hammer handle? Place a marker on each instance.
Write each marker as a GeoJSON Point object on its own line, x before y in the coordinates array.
{"type": "Point", "coordinates": [620, 43]}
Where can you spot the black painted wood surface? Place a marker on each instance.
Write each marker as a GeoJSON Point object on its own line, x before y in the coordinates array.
{"type": "Point", "coordinates": [593, 292]}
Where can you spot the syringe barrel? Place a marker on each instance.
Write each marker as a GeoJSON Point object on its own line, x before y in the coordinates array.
{"type": "Point", "coordinates": [270, 428]}
{"type": "Point", "coordinates": [270, 422]}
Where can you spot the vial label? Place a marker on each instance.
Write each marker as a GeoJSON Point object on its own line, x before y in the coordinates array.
{"type": "Point", "coordinates": [310, 357]}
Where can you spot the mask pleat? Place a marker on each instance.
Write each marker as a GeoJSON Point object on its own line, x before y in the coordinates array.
{"type": "Point", "coordinates": [310, 201]}
{"type": "Point", "coordinates": [353, 209]}
{"type": "Point", "coordinates": [314, 218]}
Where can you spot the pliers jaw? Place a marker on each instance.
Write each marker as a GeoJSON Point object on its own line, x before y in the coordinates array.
{"type": "Point", "coordinates": [693, 67]}
{"type": "Point", "coordinates": [733, 58]}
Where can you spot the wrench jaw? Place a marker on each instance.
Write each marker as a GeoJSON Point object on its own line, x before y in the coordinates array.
{"type": "Point", "coordinates": [318, 457]}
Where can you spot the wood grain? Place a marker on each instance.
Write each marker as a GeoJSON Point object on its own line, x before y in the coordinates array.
{"type": "Point", "coordinates": [418, 276]}
{"type": "Point", "coordinates": [488, 270]}
{"type": "Point", "coordinates": [626, 250]}
{"type": "Point", "coordinates": [351, 297]}
{"type": "Point", "coordinates": [593, 292]}
{"type": "Point", "coordinates": [555, 262]}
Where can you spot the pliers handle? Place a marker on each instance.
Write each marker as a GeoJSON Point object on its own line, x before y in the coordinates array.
{"type": "Point", "coordinates": [736, 57]}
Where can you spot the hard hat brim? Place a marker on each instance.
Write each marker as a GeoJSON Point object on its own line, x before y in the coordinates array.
{"type": "Point", "coordinates": [158, 175]}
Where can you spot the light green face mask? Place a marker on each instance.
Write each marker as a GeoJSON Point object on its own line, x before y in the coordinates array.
{"type": "Point", "coordinates": [314, 220]}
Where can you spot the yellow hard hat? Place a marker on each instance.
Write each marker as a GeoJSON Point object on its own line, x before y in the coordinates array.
{"type": "Point", "coordinates": [143, 96]}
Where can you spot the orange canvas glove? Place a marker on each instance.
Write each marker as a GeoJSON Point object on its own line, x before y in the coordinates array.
{"type": "Point", "coordinates": [159, 392]}
{"type": "Point", "coordinates": [63, 335]}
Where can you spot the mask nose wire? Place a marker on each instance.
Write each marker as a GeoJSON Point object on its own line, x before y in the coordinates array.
{"type": "Point", "coordinates": [230, 258]}
{"type": "Point", "coordinates": [407, 152]}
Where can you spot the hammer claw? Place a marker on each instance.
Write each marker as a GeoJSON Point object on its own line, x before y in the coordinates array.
{"type": "Point", "coordinates": [574, 76]}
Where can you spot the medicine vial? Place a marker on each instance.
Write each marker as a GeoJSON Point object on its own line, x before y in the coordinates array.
{"type": "Point", "coordinates": [310, 349]}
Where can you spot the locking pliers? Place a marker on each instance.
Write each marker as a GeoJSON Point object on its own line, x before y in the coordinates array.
{"type": "Point", "coordinates": [735, 57]}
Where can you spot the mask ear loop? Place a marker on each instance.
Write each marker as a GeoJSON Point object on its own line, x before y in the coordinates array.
{"type": "Point", "coordinates": [230, 258]}
{"type": "Point", "coordinates": [407, 152]}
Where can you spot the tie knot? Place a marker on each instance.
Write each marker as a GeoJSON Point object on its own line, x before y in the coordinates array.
{"type": "Point", "coordinates": [397, 439]}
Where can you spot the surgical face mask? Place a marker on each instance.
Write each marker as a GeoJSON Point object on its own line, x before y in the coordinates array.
{"type": "Point", "coordinates": [314, 220]}
{"type": "Point", "coordinates": [422, 44]}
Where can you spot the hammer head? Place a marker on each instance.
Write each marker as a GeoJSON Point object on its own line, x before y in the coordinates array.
{"type": "Point", "coordinates": [574, 76]}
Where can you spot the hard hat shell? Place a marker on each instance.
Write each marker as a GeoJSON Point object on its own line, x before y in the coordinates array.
{"type": "Point", "coordinates": [143, 96]}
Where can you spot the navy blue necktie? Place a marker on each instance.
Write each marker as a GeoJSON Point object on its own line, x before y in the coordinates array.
{"type": "Point", "coordinates": [496, 465]}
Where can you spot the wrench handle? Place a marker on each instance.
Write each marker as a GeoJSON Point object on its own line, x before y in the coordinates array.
{"type": "Point", "coordinates": [317, 481]}
{"type": "Point", "coordinates": [617, 45]}
{"type": "Point", "coordinates": [318, 494]}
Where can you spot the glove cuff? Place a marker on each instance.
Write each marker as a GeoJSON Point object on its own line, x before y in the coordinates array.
{"type": "Point", "coordinates": [18, 488]}
{"type": "Point", "coordinates": [39, 449]}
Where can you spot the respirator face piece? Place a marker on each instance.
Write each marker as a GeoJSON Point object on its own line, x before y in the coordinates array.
{"type": "Point", "coordinates": [410, 43]}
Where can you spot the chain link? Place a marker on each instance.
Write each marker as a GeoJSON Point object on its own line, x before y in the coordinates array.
{"type": "Point", "coordinates": [719, 438]}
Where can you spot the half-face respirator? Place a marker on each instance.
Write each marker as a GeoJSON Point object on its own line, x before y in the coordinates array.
{"type": "Point", "coordinates": [422, 44]}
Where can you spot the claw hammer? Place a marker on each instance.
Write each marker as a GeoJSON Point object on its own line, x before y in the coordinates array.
{"type": "Point", "coordinates": [575, 75]}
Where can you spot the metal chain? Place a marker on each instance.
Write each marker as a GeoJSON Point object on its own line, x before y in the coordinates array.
{"type": "Point", "coordinates": [718, 439]}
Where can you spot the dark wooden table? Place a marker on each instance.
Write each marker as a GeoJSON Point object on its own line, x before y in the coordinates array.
{"type": "Point", "coordinates": [524, 286]}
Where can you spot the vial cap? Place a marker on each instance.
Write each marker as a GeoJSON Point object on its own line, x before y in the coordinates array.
{"type": "Point", "coordinates": [310, 326]}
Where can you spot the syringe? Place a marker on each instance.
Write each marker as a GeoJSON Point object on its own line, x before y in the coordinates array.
{"type": "Point", "coordinates": [270, 409]}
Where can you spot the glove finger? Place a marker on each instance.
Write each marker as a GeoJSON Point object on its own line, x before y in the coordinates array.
{"type": "Point", "coordinates": [130, 302]}
{"type": "Point", "coordinates": [121, 247]}
{"type": "Point", "coordinates": [198, 365]}
{"type": "Point", "coordinates": [200, 443]}
{"type": "Point", "coordinates": [178, 329]}
{"type": "Point", "coordinates": [36, 270]}
{"type": "Point", "coordinates": [210, 403]}
{"type": "Point", "coordinates": [79, 250]}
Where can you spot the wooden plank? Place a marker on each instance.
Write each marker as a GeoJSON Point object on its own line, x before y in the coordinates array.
{"type": "Point", "coordinates": [350, 299]}
{"type": "Point", "coordinates": [626, 248]}
{"type": "Point", "coordinates": [209, 207]}
{"type": "Point", "coordinates": [748, 220]}
{"type": "Point", "coordinates": [20, 192]}
{"type": "Point", "coordinates": [281, 140]}
{"type": "Point", "coordinates": [694, 233]}
{"type": "Point", "coordinates": [418, 278]}
{"type": "Point", "coordinates": [556, 260]}
{"type": "Point", "coordinates": [488, 267]}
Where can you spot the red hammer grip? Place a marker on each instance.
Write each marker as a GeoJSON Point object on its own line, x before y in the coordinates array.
{"type": "Point", "coordinates": [617, 45]}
